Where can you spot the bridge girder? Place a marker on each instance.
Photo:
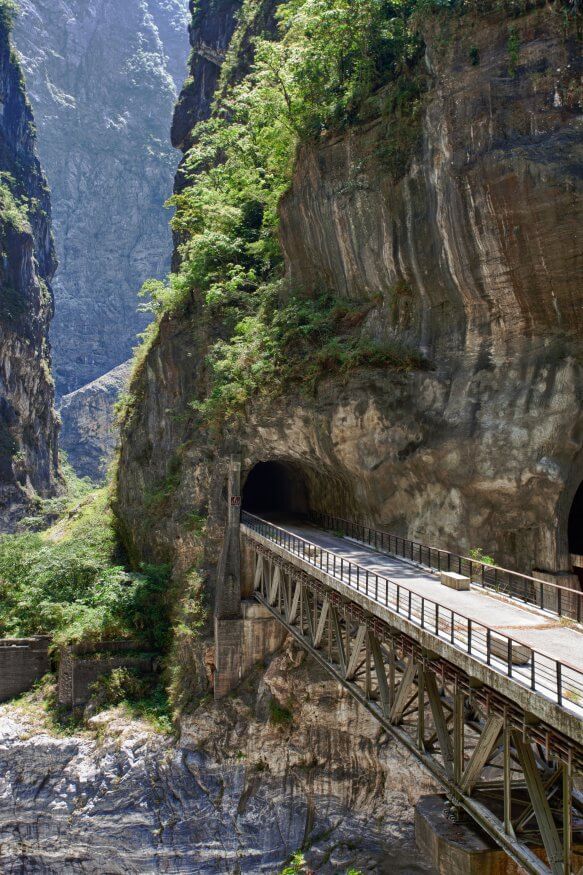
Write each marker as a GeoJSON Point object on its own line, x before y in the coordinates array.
{"type": "Point", "coordinates": [504, 772]}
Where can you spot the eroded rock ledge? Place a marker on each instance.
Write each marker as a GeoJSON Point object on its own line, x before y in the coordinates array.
{"type": "Point", "coordinates": [237, 793]}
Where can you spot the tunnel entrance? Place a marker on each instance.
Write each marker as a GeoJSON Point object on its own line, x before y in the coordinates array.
{"type": "Point", "coordinates": [276, 488]}
{"type": "Point", "coordinates": [575, 532]}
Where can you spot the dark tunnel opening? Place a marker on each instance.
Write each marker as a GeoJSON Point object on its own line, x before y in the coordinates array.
{"type": "Point", "coordinates": [276, 488]}
{"type": "Point", "coordinates": [575, 530]}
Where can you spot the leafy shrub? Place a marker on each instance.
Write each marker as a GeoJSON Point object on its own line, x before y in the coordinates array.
{"type": "Point", "coordinates": [115, 687]}
{"type": "Point", "coordinates": [478, 555]}
{"type": "Point", "coordinates": [296, 866]}
{"type": "Point", "coordinates": [71, 582]}
{"type": "Point", "coordinates": [13, 210]}
{"type": "Point", "coordinates": [142, 697]}
{"type": "Point", "coordinates": [8, 10]}
{"type": "Point", "coordinates": [513, 50]}
{"type": "Point", "coordinates": [189, 618]}
{"type": "Point", "coordinates": [279, 715]}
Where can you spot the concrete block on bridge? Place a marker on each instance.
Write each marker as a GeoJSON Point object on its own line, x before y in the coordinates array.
{"type": "Point", "coordinates": [455, 581]}
{"type": "Point", "coordinates": [519, 653]}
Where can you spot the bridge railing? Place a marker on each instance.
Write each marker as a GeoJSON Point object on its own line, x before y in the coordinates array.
{"type": "Point", "coordinates": [551, 597]}
{"type": "Point", "coordinates": [552, 678]}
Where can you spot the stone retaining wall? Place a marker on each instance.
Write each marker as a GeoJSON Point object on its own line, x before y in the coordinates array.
{"type": "Point", "coordinates": [81, 666]}
{"type": "Point", "coordinates": [23, 661]}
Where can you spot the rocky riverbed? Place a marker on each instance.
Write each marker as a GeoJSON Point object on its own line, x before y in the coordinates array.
{"type": "Point", "coordinates": [237, 793]}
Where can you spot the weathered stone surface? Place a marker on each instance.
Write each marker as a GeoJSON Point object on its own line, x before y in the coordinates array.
{"type": "Point", "coordinates": [28, 423]}
{"type": "Point", "coordinates": [237, 794]}
{"type": "Point", "coordinates": [211, 29]}
{"type": "Point", "coordinates": [473, 257]}
{"type": "Point", "coordinates": [103, 78]}
{"type": "Point", "coordinates": [23, 661]}
{"type": "Point", "coordinates": [89, 432]}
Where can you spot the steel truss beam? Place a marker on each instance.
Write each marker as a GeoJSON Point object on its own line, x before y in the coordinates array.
{"type": "Point", "coordinates": [480, 747]}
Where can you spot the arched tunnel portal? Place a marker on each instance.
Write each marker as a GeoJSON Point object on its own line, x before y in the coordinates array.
{"type": "Point", "coordinates": [287, 491]}
{"type": "Point", "coordinates": [277, 488]}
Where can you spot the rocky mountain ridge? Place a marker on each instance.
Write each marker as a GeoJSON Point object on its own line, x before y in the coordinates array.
{"type": "Point", "coordinates": [28, 423]}
{"type": "Point", "coordinates": [103, 78]}
{"type": "Point", "coordinates": [89, 433]}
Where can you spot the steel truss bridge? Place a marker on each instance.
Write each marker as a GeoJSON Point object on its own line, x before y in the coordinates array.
{"type": "Point", "coordinates": [498, 726]}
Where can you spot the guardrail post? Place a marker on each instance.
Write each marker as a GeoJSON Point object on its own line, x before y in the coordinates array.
{"type": "Point", "coordinates": [488, 646]}
{"type": "Point", "coordinates": [559, 683]}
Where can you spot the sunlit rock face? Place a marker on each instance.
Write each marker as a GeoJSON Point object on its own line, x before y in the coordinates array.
{"type": "Point", "coordinates": [103, 78]}
{"type": "Point", "coordinates": [470, 252]}
{"type": "Point", "coordinates": [237, 793]}
{"type": "Point", "coordinates": [89, 430]}
{"type": "Point", "coordinates": [28, 423]}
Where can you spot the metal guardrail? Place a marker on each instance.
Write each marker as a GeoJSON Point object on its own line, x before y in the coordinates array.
{"type": "Point", "coordinates": [556, 680]}
{"type": "Point", "coordinates": [559, 600]}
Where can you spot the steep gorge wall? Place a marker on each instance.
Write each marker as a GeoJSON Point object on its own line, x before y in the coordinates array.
{"type": "Point", "coordinates": [471, 253]}
{"type": "Point", "coordinates": [28, 423]}
{"type": "Point", "coordinates": [237, 793]}
{"type": "Point", "coordinates": [103, 78]}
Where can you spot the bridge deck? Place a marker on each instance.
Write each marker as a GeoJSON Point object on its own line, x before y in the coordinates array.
{"type": "Point", "coordinates": [524, 624]}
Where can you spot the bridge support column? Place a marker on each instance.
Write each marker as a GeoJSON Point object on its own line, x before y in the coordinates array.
{"type": "Point", "coordinates": [456, 848]}
{"type": "Point", "coordinates": [241, 644]}
{"type": "Point", "coordinates": [228, 613]}
{"type": "Point", "coordinates": [245, 631]}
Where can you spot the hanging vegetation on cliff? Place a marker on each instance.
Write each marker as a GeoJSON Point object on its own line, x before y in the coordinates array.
{"type": "Point", "coordinates": [316, 76]}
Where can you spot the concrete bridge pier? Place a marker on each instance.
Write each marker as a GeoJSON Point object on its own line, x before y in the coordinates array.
{"type": "Point", "coordinates": [245, 631]}
{"type": "Point", "coordinates": [460, 847]}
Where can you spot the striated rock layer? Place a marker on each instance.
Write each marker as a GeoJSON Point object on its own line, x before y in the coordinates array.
{"type": "Point", "coordinates": [28, 423]}
{"type": "Point", "coordinates": [103, 78]}
{"type": "Point", "coordinates": [89, 431]}
{"type": "Point", "coordinates": [470, 250]}
{"type": "Point", "coordinates": [236, 794]}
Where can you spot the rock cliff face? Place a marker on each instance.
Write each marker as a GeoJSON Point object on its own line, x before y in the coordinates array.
{"type": "Point", "coordinates": [103, 78]}
{"type": "Point", "coordinates": [28, 423]}
{"type": "Point", "coordinates": [211, 30]}
{"type": "Point", "coordinates": [237, 794]}
{"type": "Point", "coordinates": [471, 252]}
{"type": "Point", "coordinates": [89, 431]}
